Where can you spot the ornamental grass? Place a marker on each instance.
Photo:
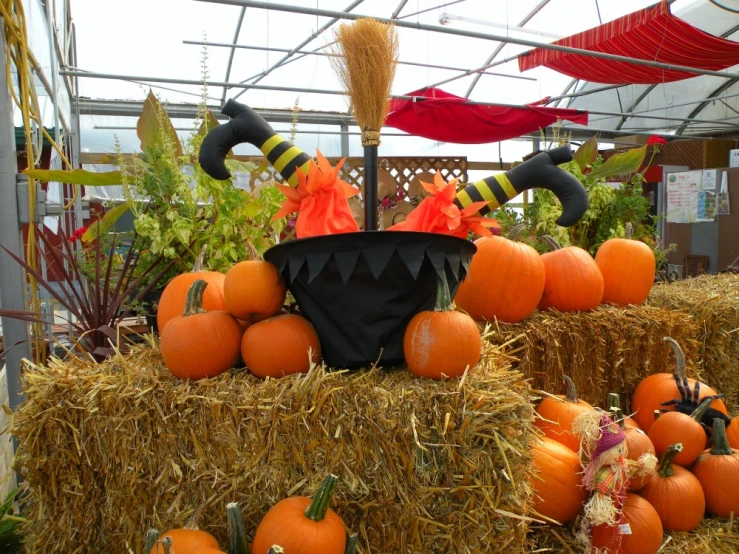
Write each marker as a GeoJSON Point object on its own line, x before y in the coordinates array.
{"type": "Point", "coordinates": [609, 349]}
{"type": "Point", "coordinates": [712, 301]}
{"type": "Point", "coordinates": [109, 450]}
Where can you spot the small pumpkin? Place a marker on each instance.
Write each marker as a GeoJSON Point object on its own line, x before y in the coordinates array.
{"type": "Point", "coordinates": [675, 493]}
{"type": "Point", "coordinates": [200, 344]}
{"type": "Point", "coordinates": [555, 415]}
{"type": "Point", "coordinates": [253, 290]}
{"type": "Point", "coordinates": [732, 433]}
{"type": "Point", "coordinates": [558, 495]}
{"type": "Point", "coordinates": [674, 427]}
{"type": "Point", "coordinates": [637, 444]}
{"type": "Point", "coordinates": [662, 387]}
{"type": "Point", "coordinates": [443, 343]}
{"type": "Point", "coordinates": [172, 301]}
{"type": "Point", "coordinates": [505, 280]}
{"type": "Point", "coordinates": [717, 469]}
{"type": "Point", "coordinates": [573, 281]}
{"type": "Point", "coordinates": [300, 524]}
{"type": "Point", "coordinates": [645, 527]}
{"type": "Point", "coordinates": [279, 346]}
{"type": "Point", "coordinates": [628, 268]}
{"type": "Point", "coordinates": [186, 540]}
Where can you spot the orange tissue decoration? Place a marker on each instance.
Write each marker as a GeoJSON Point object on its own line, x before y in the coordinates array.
{"type": "Point", "coordinates": [320, 200]}
{"type": "Point", "coordinates": [439, 214]}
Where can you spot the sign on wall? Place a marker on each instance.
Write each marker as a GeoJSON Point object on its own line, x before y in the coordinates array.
{"type": "Point", "coordinates": [692, 196]}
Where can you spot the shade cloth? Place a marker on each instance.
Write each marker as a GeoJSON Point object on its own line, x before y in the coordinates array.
{"type": "Point", "coordinates": [650, 34]}
{"type": "Point", "coordinates": [439, 115]}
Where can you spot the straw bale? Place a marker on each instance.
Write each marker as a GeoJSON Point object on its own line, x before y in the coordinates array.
{"type": "Point", "coordinates": [609, 349]}
{"type": "Point", "coordinates": [113, 449]}
{"type": "Point", "coordinates": [713, 302]}
{"type": "Point", "coordinates": [712, 536]}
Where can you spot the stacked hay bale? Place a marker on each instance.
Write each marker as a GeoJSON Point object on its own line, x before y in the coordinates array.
{"type": "Point", "coordinates": [712, 301]}
{"type": "Point", "coordinates": [109, 450]}
{"type": "Point", "coordinates": [606, 350]}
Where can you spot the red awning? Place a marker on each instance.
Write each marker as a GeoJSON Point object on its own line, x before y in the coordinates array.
{"type": "Point", "coordinates": [438, 115]}
{"type": "Point", "coordinates": [649, 34]}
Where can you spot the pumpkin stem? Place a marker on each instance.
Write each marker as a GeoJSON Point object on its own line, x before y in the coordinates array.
{"type": "Point", "coordinates": [194, 305]}
{"type": "Point", "coordinates": [276, 549]}
{"type": "Point", "coordinates": [701, 409]}
{"type": "Point", "coordinates": [516, 231]}
{"type": "Point", "coordinates": [629, 230]}
{"type": "Point", "coordinates": [198, 265]}
{"type": "Point", "coordinates": [657, 413]}
{"type": "Point", "coordinates": [192, 523]}
{"type": "Point", "coordinates": [619, 415]}
{"type": "Point", "coordinates": [679, 357]}
{"type": "Point", "coordinates": [571, 395]}
{"type": "Point", "coordinates": [351, 543]}
{"type": "Point", "coordinates": [551, 242]}
{"type": "Point", "coordinates": [319, 505]}
{"type": "Point", "coordinates": [721, 446]}
{"type": "Point", "coordinates": [253, 252]}
{"type": "Point", "coordinates": [237, 543]}
{"type": "Point", "coordinates": [443, 296]}
{"type": "Point", "coordinates": [665, 463]}
{"type": "Point", "coordinates": [152, 537]}
{"type": "Point", "coordinates": [166, 543]}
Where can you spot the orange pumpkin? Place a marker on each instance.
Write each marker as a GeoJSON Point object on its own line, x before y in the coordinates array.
{"type": "Point", "coordinates": [661, 387]}
{"type": "Point", "coordinates": [299, 524]}
{"type": "Point", "coordinates": [443, 343]}
{"type": "Point", "coordinates": [717, 470]}
{"type": "Point", "coordinates": [172, 301]}
{"type": "Point", "coordinates": [628, 268]}
{"type": "Point", "coordinates": [732, 433]}
{"type": "Point", "coordinates": [505, 280]}
{"type": "Point", "coordinates": [573, 280]}
{"type": "Point", "coordinates": [279, 346]}
{"type": "Point", "coordinates": [675, 493]}
{"type": "Point", "coordinates": [253, 290]}
{"type": "Point", "coordinates": [556, 415]}
{"type": "Point", "coordinates": [674, 427]}
{"type": "Point", "coordinates": [644, 524]}
{"type": "Point", "coordinates": [200, 344]}
{"type": "Point", "coordinates": [187, 540]}
{"type": "Point", "coordinates": [556, 482]}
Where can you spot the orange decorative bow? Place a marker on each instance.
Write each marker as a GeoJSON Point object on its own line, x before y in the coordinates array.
{"type": "Point", "coordinates": [320, 200]}
{"type": "Point", "coordinates": [439, 214]}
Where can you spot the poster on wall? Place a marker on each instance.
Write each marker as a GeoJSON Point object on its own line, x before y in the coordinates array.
{"type": "Point", "coordinates": [709, 179]}
{"type": "Point", "coordinates": [682, 199]}
{"type": "Point", "coordinates": [722, 198]}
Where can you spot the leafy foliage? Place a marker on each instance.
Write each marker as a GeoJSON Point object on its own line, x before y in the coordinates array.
{"type": "Point", "coordinates": [11, 541]}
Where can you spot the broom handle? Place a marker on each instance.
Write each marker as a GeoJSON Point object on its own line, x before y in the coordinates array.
{"type": "Point", "coordinates": [370, 188]}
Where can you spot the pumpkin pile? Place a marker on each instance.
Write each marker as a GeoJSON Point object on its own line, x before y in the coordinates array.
{"type": "Point", "coordinates": [508, 279]}
{"type": "Point", "coordinates": [296, 524]}
{"type": "Point", "coordinates": [680, 420]}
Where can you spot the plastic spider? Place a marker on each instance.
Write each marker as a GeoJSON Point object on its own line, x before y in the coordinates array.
{"type": "Point", "coordinates": [690, 400]}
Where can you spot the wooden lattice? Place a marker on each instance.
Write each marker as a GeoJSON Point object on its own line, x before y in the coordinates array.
{"type": "Point", "coordinates": [717, 152]}
{"type": "Point", "coordinates": [682, 152]}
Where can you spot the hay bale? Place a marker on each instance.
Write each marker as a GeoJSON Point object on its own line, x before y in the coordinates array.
{"type": "Point", "coordinates": [113, 449]}
{"type": "Point", "coordinates": [606, 350]}
{"type": "Point", "coordinates": [713, 535]}
{"type": "Point", "coordinates": [713, 303]}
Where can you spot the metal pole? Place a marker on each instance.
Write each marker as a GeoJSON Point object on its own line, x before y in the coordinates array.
{"type": "Point", "coordinates": [12, 277]}
{"type": "Point", "coordinates": [298, 90]}
{"type": "Point", "coordinates": [328, 55]}
{"type": "Point", "coordinates": [468, 34]}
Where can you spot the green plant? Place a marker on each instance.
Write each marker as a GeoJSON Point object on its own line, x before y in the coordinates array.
{"type": "Point", "coordinates": [11, 540]}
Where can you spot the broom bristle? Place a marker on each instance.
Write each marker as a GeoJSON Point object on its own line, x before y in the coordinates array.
{"type": "Point", "coordinates": [367, 55]}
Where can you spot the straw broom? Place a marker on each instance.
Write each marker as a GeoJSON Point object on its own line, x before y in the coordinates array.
{"type": "Point", "coordinates": [367, 53]}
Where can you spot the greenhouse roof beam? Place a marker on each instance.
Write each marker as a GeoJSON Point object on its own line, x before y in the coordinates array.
{"type": "Point", "coordinates": [306, 42]}
{"type": "Point", "coordinates": [237, 32]}
{"type": "Point", "coordinates": [711, 97]}
{"type": "Point", "coordinates": [399, 9]}
{"type": "Point", "coordinates": [500, 47]}
{"type": "Point", "coordinates": [91, 75]}
{"type": "Point", "coordinates": [469, 34]}
{"type": "Point", "coordinates": [329, 55]}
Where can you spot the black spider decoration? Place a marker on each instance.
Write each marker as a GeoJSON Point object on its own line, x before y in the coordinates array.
{"type": "Point", "coordinates": [690, 400]}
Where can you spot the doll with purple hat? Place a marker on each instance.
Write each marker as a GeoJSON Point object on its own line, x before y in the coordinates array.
{"type": "Point", "coordinates": [606, 474]}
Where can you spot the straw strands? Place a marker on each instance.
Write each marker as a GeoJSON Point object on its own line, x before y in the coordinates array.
{"type": "Point", "coordinates": [712, 301]}
{"type": "Point", "coordinates": [609, 349]}
{"type": "Point", "coordinates": [109, 450]}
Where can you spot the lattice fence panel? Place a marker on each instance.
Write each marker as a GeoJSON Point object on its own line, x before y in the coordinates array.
{"type": "Point", "coordinates": [681, 152]}
{"type": "Point", "coordinates": [717, 152]}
